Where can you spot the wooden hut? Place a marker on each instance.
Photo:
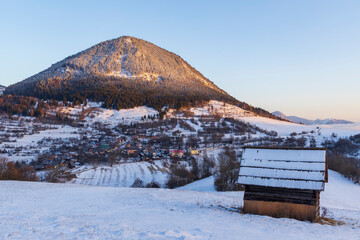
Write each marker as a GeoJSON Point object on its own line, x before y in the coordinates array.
{"type": "Point", "coordinates": [283, 182]}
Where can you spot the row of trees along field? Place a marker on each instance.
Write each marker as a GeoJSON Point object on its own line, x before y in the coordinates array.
{"type": "Point", "coordinates": [342, 156]}
{"type": "Point", "coordinates": [16, 171]}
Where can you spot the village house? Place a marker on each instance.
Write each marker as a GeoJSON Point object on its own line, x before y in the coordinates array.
{"type": "Point", "coordinates": [155, 139]}
{"type": "Point", "coordinates": [150, 152]}
{"type": "Point", "coordinates": [141, 132]}
{"type": "Point", "coordinates": [130, 131]}
{"type": "Point", "coordinates": [120, 140]}
{"type": "Point", "coordinates": [194, 151]}
{"type": "Point", "coordinates": [177, 153]}
{"type": "Point", "coordinates": [132, 151]}
{"type": "Point", "coordinates": [283, 182]}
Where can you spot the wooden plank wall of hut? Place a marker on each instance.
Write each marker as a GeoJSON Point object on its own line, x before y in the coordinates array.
{"type": "Point", "coordinates": [281, 209]}
{"type": "Point", "coordinates": [272, 194]}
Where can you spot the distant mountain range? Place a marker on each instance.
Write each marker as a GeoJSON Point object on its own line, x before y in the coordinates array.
{"type": "Point", "coordinates": [310, 122]}
{"type": "Point", "coordinates": [126, 72]}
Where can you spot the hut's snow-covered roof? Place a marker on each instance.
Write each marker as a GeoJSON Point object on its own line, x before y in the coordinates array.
{"type": "Point", "coordinates": [283, 168]}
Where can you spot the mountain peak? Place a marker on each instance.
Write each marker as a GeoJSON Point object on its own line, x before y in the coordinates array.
{"type": "Point", "coordinates": [126, 57]}
{"type": "Point", "coordinates": [126, 72]}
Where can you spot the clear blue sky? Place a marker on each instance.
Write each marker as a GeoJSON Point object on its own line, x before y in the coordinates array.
{"type": "Point", "coordinates": [299, 57]}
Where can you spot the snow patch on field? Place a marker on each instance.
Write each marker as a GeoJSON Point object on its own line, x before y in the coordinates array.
{"type": "Point", "coordinates": [203, 185]}
{"type": "Point", "coordinates": [220, 108]}
{"type": "Point", "coordinates": [340, 193]}
{"type": "Point", "coordinates": [112, 117]}
{"type": "Point", "coordinates": [124, 115]}
{"type": "Point", "coordinates": [71, 211]}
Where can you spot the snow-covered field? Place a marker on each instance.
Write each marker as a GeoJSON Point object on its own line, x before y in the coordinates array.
{"type": "Point", "coordinates": [203, 185]}
{"type": "Point", "coordinates": [70, 211]}
{"type": "Point", "coordinates": [94, 113]}
{"type": "Point", "coordinates": [32, 140]}
{"type": "Point", "coordinates": [122, 175]}
{"type": "Point", "coordinates": [221, 108]}
{"type": "Point", "coordinates": [114, 117]}
{"type": "Point", "coordinates": [30, 143]}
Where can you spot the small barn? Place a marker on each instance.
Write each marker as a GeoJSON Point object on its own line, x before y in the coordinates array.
{"type": "Point", "coordinates": [283, 182]}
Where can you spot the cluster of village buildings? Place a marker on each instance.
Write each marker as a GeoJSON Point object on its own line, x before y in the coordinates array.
{"type": "Point", "coordinates": [148, 141]}
{"type": "Point", "coordinates": [131, 146]}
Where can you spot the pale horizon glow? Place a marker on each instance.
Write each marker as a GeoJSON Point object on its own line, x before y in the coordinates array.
{"type": "Point", "coordinates": [298, 57]}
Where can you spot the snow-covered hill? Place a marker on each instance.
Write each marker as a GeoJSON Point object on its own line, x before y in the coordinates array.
{"type": "Point", "coordinates": [113, 117]}
{"type": "Point", "coordinates": [94, 113]}
{"type": "Point", "coordinates": [69, 211]}
{"type": "Point", "coordinates": [203, 185]}
{"type": "Point", "coordinates": [282, 127]}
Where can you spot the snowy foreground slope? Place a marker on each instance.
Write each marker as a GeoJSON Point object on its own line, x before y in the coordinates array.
{"type": "Point", "coordinates": [72, 211]}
